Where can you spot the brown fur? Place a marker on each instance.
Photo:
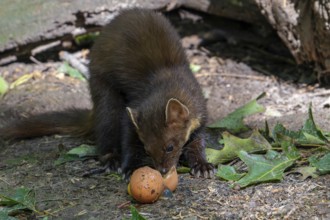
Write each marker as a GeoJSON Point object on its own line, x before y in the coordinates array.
{"type": "Point", "coordinates": [148, 106]}
{"type": "Point", "coordinates": [74, 122]}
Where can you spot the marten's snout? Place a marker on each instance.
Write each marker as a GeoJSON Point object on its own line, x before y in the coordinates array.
{"type": "Point", "coordinates": [163, 171]}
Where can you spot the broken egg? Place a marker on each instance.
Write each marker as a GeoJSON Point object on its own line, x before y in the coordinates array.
{"type": "Point", "coordinates": [171, 179]}
{"type": "Point", "coordinates": [147, 185]}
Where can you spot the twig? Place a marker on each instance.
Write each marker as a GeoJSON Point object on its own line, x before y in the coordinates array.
{"type": "Point", "coordinates": [201, 217]}
{"type": "Point", "coordinates": [259, 69]}
{"type": "Point", "coordinates": [324, 93]}
{"type": "Point", "coordinates": [7, 60]}
{"type": "Point", "coordinates": [45, 47]}
{"type": "Point", "coordinates": [53, 213]}
{"type": "Point", "coordinates": [74, 62]}
{"type": "Point", "coordinates": [33, 59]}
{"type": "Point", "coordinates": [55, 200]}
{"type": "Point", "coordinates": [4, 181]}
{"type": "Point", "coordinates": [125, 204]}
{"type": "Point", "coordinates": [95, 171]}
{"type": "Point", "coordinates": [206, 74]}
{"type": "Point", "coordinates": [260, 78]}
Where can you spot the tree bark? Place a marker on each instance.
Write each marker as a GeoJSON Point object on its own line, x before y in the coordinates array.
{"type": "Point", "coordinates": [303, 25]}
{"type": "Point", "coordinates": [304, 28]}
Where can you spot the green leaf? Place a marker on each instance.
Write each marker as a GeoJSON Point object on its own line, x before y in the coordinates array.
{"type": "Point", "coordinates": [21, 198]}
{"type": "Point", "coordinates": [322, 164]}
{"type": "Point", "coordinates": [135, 214]}
{"type": "Point", "coordinates": [64, 158]}
{"type": "Point", "coordinates": [21, 80]}
{"type": "Point", "coordinates": [228, 173]}
{"type": "Point", "coordinates": [116, 176]}
{"type": "Point", "coordinates": [232, 145]}
{"type": "Point", "coordinates": [327, 135]}
{"type": "Point", "coordinates": [5, 216]}
{"type": "Point", "coordinates": [87, 38]}
{"type": "Point", "coordinates": [305, 172]}
{"type": "Point", "coordinates": [279, 131]}
{"type": "Point", "coordinates": [288, 147]}
{"type": "Point", "coordinates": [11, 210]}
{"type": "Point", "coordinates": [234, 121]}
{"type": "Point", "coordinates": [195, 68]}
{"type": "Point", "coordinates": [183, 169]}
{"type": "Point", "coordinates": [308, 135]}
{"type": "Point", "coordinates": [66, 68]}
{"type": "Point", "coordinates": [266, 132]}
{"type": "Point", "coordinates": [83, 150]}
{"type": "Point", "coordinates": [311, 128]}
{"type": "Point", "coordinates": [263, 168]}
{"type": "Point", "coordinates": [3, 86]}
{"type": "Point", "coordinates": [300, 137]}
{"type": "Point", "coordinates": [77, 153]}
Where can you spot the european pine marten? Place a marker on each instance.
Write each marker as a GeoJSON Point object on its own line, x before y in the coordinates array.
{"type": "Point", "coordinates": [147, 103]}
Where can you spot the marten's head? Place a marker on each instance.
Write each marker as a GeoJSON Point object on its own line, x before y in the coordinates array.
{"type": "Point", "coordinates": [165, 132]}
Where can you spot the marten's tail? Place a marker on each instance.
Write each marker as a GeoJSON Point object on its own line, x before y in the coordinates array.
{"type": "Point", "coordinates": [77, 122]}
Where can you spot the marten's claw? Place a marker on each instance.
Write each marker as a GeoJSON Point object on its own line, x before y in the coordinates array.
{"type": "Point", "coordinates": [112, 166]}
{"type": "Point", "coordinates": [107, 168]}
{"type": "Point", "coordinates": [127, 176]}
{"type": "Point", "coordinates": [127, 172]}
{"type": "Point", "coordinates": [94, 172]}
{"type": "Point", "coordinates": [111, 162]}
{"type": "Point", "coordinates": [205, 170]}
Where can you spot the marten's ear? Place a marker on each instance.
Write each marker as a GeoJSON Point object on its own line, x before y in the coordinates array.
{"type": "Point", "coordinates": [176, 113]}
{"type": "Point", "coordinates": [133, 114]}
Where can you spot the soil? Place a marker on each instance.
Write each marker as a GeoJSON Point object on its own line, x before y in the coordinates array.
{"type": "Point", "coordinates": [234, 68]}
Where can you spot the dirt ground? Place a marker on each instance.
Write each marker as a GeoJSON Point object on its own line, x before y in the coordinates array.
{"type": "Point", "coordinates": [235, 68]}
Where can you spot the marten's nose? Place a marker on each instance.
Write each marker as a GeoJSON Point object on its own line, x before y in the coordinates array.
{"type": "Point", "coordinates": [164, 170]}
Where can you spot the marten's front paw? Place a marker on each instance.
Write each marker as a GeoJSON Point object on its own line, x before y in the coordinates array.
{"type": "Point", "coordinates": [111, 162]}
{"type": "Point", "coordinates": [205, 170]}
{"type": "Point", "coordinates": [126, 174]}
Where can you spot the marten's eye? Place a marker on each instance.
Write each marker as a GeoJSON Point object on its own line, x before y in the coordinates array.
{"type": "Point", "coordinates": [169, 148]}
